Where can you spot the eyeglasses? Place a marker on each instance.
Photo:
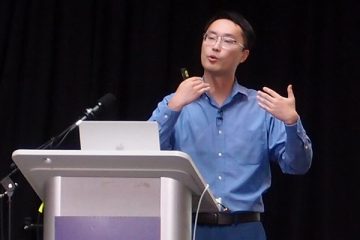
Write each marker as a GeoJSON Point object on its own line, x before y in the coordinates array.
{"type": "Point", "coordinates": [225, 41]}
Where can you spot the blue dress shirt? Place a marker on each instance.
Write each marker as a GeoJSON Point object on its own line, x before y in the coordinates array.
{"type": "Point", "coordinates": [232, 145]}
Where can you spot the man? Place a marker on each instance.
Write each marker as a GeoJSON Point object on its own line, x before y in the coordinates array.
{"type": "Point", "coordinates": [231, 132]}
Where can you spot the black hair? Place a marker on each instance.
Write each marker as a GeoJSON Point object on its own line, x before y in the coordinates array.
{"type": "Point", "coordinates": [238, 19]}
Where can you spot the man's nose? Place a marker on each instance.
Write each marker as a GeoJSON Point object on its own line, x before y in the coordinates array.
{"type": "Point", "coordinates": [217, 45]}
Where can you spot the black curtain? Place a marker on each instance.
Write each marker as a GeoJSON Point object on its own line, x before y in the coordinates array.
{"type": "Point", "coordinates": [57, 57]}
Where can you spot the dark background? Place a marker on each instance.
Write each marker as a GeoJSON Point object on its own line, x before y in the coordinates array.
{"type": "Point", "coordinates": [57, 57]}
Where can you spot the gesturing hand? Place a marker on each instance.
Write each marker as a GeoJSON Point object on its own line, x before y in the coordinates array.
{"type": "Point", "coordinates": [283, 108]}
{"type": "Point", "coordinates": [188, 91]}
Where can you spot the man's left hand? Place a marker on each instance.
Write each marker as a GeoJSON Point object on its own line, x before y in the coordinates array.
{"type": "Point", "coordinates": [283, 108]}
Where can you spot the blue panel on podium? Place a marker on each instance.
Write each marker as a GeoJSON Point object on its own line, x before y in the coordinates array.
{"type": "Point", "coordinates": [107, 228]}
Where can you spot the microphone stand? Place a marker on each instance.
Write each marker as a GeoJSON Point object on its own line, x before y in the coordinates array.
{"type": "Point", "coordinates": [9, 187]}
{"type": "Point", "coordinates": [2, 237]}
{"type": "Point", "coordinates": [54, 142]}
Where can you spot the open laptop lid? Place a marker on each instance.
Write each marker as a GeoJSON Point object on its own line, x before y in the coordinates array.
{"type": "Point", "coordinates": [119, 135]}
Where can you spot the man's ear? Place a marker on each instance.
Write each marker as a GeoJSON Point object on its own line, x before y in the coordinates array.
{"type": "Point", "coordinates": [244, 55]}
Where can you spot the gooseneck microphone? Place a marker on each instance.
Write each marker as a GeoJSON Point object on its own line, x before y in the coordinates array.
{"type": "Point", "coordinates": [102, 103]}
{"type": "Point", "coordinates": [54, 142]}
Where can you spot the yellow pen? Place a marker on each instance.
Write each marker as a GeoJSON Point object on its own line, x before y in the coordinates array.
{"type": "Point", "coordinates": [184, 73]}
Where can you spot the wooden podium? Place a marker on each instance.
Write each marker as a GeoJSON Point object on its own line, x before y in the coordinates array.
{"type": "Point", "coordinates": [115, 195]}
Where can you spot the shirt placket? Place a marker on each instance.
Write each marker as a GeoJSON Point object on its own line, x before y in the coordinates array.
{"type": "Point", "coordinates": [220, 147]}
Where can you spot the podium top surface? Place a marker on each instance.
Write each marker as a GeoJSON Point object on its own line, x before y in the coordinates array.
{"type": "Point", "coordinates": [39, 165]}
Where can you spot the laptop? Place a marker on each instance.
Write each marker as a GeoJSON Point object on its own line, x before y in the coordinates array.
{"type": "Point", "coordinates": [119, 135]}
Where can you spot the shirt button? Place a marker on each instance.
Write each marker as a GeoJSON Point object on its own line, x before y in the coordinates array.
{"type": "Point", "coordinates": [219, 177]}
{"type": "Point", "coordinates": [220, 154]}
{"type": "Point", "coordinates": [166, 116]}
{"type": "Point", "coordinates": [220, 132]}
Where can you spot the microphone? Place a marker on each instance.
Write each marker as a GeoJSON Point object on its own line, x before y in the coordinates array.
{"type": "Point", "coordinates": [103, 102]}
{"type": "Point", "coordinates": [10, 186]}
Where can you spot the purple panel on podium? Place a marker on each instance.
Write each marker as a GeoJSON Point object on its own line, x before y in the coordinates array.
{"type": "Point", "coordinates": [107, 228]}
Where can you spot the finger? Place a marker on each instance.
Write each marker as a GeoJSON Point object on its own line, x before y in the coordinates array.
{"type": "Point", "coordinates": [205, 89]}
{"type": "Point", "coordinates": [194, 78]}
{"type": "Point", "coordinates": [202, 88]}
{"type": "Point", "coordinates": [198, 81]}
{"type": "Point", "coordinates": [191, 81]}
{"type": "Point", "coordinates": [263, 106]}
{"type": "Point", "coordinates": [199, 85]}
{"type": "Point", "coordinates": [290, 91]}
{"type": "Point", "coordinates": [271, 92]}
{"type": "Point", "coordinates": [265, 102]}
{"type": "Point", "coordinates": [265, 96]}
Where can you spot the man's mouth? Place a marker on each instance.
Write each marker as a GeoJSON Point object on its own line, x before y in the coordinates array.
{"type": "Point", "coordinates": [212, 58]}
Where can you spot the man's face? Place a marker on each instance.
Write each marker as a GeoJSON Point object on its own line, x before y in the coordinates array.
{"type": "Point", "coordinates": [218, 55]}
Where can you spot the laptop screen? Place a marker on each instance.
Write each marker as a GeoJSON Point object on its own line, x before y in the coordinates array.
{"type": "Point", "coordinates": [119, 135]}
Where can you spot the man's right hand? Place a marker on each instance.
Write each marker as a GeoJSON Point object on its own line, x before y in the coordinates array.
{"type": "Point", "coordinates": [188, 91]}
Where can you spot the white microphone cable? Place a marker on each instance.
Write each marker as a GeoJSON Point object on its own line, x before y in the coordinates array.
{"type": "Point", "coordinates": [198, 209]}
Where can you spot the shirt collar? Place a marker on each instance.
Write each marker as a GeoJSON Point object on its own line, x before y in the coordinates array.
{"type": "Point", "coordinates": [237, 88]}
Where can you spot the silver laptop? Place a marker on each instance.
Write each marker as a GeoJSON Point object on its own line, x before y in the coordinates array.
{"type": "Point", "coordinates": [119, 135]}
